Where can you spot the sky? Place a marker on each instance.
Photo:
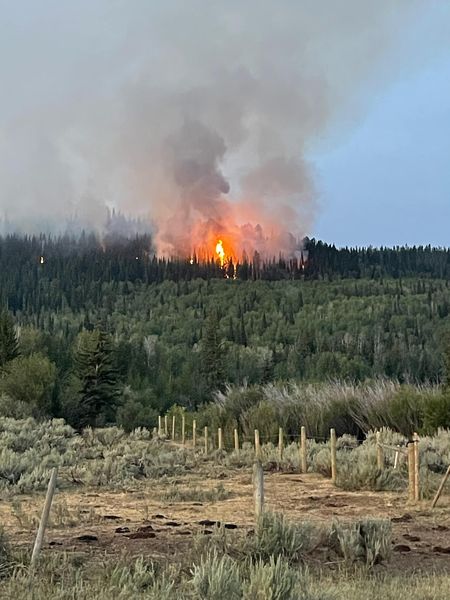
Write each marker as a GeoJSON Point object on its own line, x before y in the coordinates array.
{"type": "Point", "coordinates": [331, 118]}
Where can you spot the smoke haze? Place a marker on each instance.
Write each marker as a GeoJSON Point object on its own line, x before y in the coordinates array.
{"type": "Point", "coordinates": [194, 116]}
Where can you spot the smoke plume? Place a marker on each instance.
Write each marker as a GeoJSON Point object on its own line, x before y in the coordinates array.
{"type": "Point", "coordinates": [195, 116]}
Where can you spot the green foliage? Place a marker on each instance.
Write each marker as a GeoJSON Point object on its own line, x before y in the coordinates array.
{"type": "Point", "coordinates": [136, 411]}
{"type": "Point", "coordinates": [274, 580]}
{"type": "Point", "coordinates": [29, 381]}
{"type": "Point", "coordinates": [212, 355]}
{"type": "Point", "coordinates": [216, 578]}
{"type": "Point", "coordinates": [94, 368]}
{"type": "Point", "coordinates": [368, 541]}
{"type": "Point", "coordinates": [9, 348]}
{"type": "Point", "coordinates": [276, 537]}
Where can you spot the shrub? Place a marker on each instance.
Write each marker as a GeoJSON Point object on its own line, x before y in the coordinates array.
{"type": "Point", "coordinates": [275, 536]}
{"type": "Point", "coordinates": [274, 580]}
{"type": "Point", "coordinates": [367, 541]}
{"type": "Point", "coordinates": [216, 578]}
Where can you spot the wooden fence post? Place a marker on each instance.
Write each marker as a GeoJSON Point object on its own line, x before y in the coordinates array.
{"type": "Point", "coordinates": [194, 433]}
{"type": "Point", "coordinates": [396, 456]}
{"type": "Point", "coordinates": [166, 429]}
{"type": "Point", "coordinates": [441, 487]}
{"type": "Point", "coordinates": [416, 468]}
{"type": "Point", "coordinates": [333, 455]}
{"type": "Point", "coordinates": [45, 514]}
{"type": "Point", "coordinates": [173, 428]}
{"type": "Point", "coordinates": [411, 471]}
{"type": "Point", "coordinates": [280, 444]}
{"type": "Point", "coordinates": [183, 429]}
{"type": "Point", "coordinates": [257, 446]}
{"type": "Point", "coordinates": [206, 439]}
{"type": "Point", "coordinates": [380, 453]}
{"type": "Point", "coordinates": [258, 484]}
{"type": "Point", "coordinates": [236, 440]}
{"type": "Point", "coordinates": [303, 455]}
{"type": "Point", "coordinates": [220, 438]}
{"type": "Point", "coordinates": [160, 430]}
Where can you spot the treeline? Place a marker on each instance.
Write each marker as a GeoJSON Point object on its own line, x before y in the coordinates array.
{"type": "Point", "coordinates": [77, 267]}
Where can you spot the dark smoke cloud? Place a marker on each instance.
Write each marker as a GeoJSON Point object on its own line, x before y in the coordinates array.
{"type": "Point", "coordinates": [184, 110]}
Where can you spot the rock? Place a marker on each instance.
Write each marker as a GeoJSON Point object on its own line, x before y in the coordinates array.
{"type": "Point", "coordinates": [402, 548]}
{"type": "Point", "coordinates": [122, 530]}
{"type": "Point", "coordinates": [403, 519]}
{"type": "Point", "coordinates": [87, 537]}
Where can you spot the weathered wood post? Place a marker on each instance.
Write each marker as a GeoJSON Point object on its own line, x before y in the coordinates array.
{"type": "Point", "coordinates": [396, 456]}
{"type": "Point", "coordinates": [220, 438]}
{"type": "Point", "coordinates": [416, 468]}
{"type": "Point", "coordinates": [236, 440]}
{"type": "Point", "coordinates": [257, 446]}
{"type": "Point", "coordinates": [303, 455]}
{"type": "Point", "coordinates": [258, 484]}
{"type": "Point", "coordinates": [441, 487]}
{"type": "Point", "coordinates": [380, 453]}
{"type": "Point", "coordinates": [280, 444]}
{"type": "Point", "coordinates": [194, 433]}
{"type": "Point", "coordinates": [44, 517]}
{"type": "Point", "coordinates": [159, 425]}
{"type": "Point", "coordinates": [206, 439]}
{"type": "Point", "coordinates": [173, 428]}
{"type": "Point", "coordinates": [166, 428]}
{"type": "Point", "coordinates": [183, 429]}
{"type": "Point", "coordinates": [411, 472]}
{"type": "Point", "coordinates": [333, 455]}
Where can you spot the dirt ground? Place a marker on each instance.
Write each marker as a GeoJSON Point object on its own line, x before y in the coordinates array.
{"type": "Point", "coordinates": [139, 521]}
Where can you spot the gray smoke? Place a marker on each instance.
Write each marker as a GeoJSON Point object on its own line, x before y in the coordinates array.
{"type": "Point", "coordinates": [184, 112]}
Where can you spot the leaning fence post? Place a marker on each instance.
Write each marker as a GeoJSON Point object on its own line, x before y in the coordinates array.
{"type": "Point", "coordinates": [206, 439]}
{"type": "Point", "coordinates": [303, 461]}
{"type": "Point", "coordinates": [257, 446]}
{"type": "Point", "coordinates": [333, 455]}
{"type": "Point", "coordinates": [258, 483]}
{"type": "Point", "coordinates": [220, 438]}
{"type": "Point", "coordinates": [44, 517]}
{"type": "Point", "coordinates": [173, 428]}
{"type": "Point", "coordinates": [441, 487]}
{"type": "Point", "coordinates": [236, 440]}
{"type": "Point", "coordinates": [194, 433]}
{"type": "Point", "coordinates": [411, 471]}
{"type": "Point", "coordinates": [280, 444]}
{"type": "Point", "coordinates": [380, 454]}
{"type": "Point", "coordinates": [183, 429]}
{"type": "Point", "coordinates": [416, 468]}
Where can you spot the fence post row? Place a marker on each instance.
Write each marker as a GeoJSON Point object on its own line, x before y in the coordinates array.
{"type": "Point", "coordinates": [333, 455]}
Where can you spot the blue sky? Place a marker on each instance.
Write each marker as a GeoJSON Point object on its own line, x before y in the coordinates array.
{"type": "Point", "coordinates": [386, 181]}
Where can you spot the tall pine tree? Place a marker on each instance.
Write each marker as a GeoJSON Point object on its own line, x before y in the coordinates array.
{"type": "Point", "coordinates": [94, 367]}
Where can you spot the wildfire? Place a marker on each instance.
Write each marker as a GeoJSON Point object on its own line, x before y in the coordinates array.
{"type": "Point", "coordinates": [220, 252]}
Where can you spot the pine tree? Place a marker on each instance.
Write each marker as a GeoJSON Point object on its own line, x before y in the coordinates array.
{"type": "Point", "coordinates": [212, 355]}
{"type": "Point", "coordinates": [94, 367]}
{"type": "Point", "coordinates": [9, 348]}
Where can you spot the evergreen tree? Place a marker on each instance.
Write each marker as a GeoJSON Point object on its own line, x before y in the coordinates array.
{"type": "Point", "coordinates": [9, 348]}
{"type": "Point", "coordinates": [95, 370]}
{"type": "Point", "coordinates": [212, 355]}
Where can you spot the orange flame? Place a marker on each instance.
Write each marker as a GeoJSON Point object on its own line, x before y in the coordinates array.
{"type": "Point", "coordinates": [220, 252]}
